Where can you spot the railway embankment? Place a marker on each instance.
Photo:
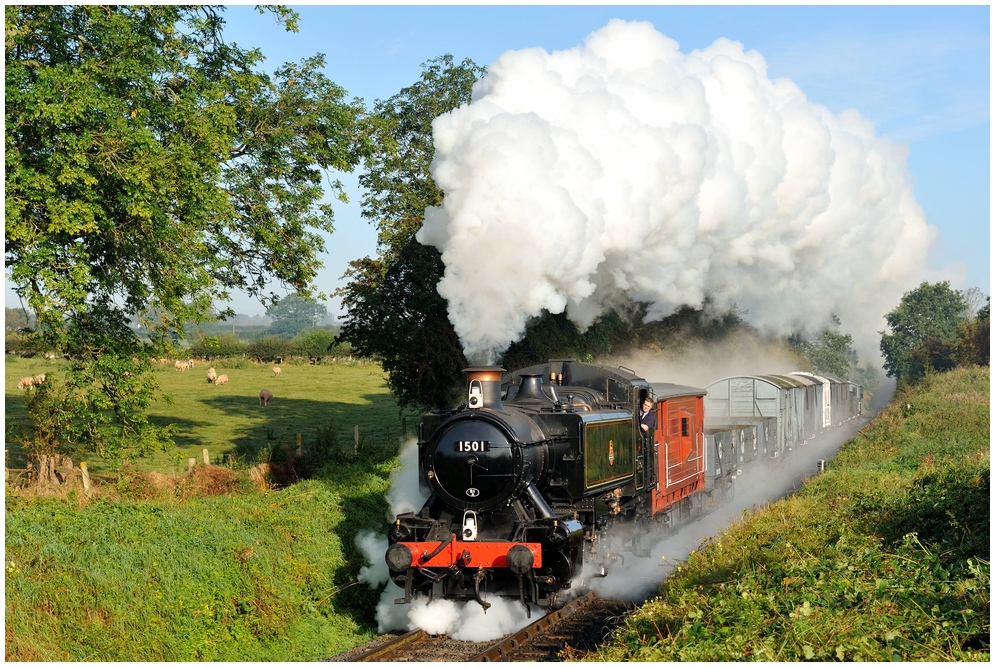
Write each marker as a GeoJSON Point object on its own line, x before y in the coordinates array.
{"type": "Point", "coordinates": [884, 556]}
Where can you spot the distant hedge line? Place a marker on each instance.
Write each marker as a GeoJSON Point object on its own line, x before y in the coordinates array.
{"type": "Point", "coordinates": [316, 345]}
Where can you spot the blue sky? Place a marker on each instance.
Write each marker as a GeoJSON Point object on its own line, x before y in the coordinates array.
{"type": "Point", "coordinates": [919, 73]}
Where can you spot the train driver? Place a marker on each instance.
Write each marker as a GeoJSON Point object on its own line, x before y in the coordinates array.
{"type": "Point", "coordinates": [647, 416]}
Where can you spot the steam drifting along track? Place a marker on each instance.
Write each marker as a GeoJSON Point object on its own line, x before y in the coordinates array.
{"type": "Point", "coordinates": [575, 629]}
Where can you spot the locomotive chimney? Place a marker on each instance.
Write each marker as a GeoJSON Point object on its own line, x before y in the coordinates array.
{"type": "Point", "coordinates": [484, 389]}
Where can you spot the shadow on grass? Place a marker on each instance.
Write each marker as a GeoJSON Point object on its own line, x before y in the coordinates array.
{"type": "Point", "coordinates": [359, 472]}
{"type": "Point", "coordinates": [262, 427]}
{"type": "Point", "coordinates": [948, 508]}
{"type": "Point", "coordinates": [15, 417]}
{"type": "Point", "coordinates": [184, 429]}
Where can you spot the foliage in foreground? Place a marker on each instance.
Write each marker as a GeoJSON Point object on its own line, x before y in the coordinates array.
{"type": "Point", "coordinates": [151, 168]}
{"type": "Point", "coordinates": [244, 576]}
{"type": "Point", "coordinates": [884, 557]}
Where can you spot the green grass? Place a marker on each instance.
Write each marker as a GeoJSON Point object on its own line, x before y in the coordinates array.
{"type": "Point", "coordinates": [251, 576]}
{"type": "Point", "coordinates": [137, 572]}
{"type": "Point", "coordinates": [227, 419]}
{"type": "Point", "coordinates": [886, 556]}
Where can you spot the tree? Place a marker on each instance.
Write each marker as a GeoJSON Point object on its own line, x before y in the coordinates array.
{"type": "Point", "coordinates": [393, 311]}
{"type": "Point", "coordinates": [16, 319]}
{"type": "Point", "coordinates": [974, 337]}
{"type": "Point", "coordinates": [150, 170]}
{"type": "Point", "coordinates": [315, 345]}
{"type": "Point", "coordinates": [928, 318]}
{"type": "Point", "coordinates": [550, 336]}
{"type": "Point", "coordinates": [830, 353]}
{"type": "Point", "coordinates": [399, 318]}
{"type": "Point", "coordinates": [291, 315]}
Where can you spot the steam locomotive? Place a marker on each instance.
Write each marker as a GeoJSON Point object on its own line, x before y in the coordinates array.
{"type": "Point", "coordinates": [544, 475]}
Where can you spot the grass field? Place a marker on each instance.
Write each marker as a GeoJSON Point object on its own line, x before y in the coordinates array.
{"type": "Point", "coordinates": [227, 419]}
{"type": "Point", "coordinates": [214, 569]}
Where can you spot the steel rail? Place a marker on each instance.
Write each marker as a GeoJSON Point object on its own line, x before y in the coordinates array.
{"type": "Point", "coordinates": [500, 651]}
{"type": "Point", "coordinates": [376, 654]}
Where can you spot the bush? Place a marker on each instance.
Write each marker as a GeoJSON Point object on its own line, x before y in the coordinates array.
{"type": "Point", "coordinates": [270, 348]}
{"type": "Point", "coordinates": [315, 345]}
{"type": "Point", "coordinates": [225, 345]}
{"type": "Point", "coordinates": [24, 344]}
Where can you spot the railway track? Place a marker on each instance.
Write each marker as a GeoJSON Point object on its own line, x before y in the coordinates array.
{"type": "Point", "coordinates": [566, 633]}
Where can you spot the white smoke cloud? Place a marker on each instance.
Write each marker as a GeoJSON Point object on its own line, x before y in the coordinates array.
{"type": "Point", "coordinates": [405, 494]}
{"type": "Point", "coordinates": [623, 169]}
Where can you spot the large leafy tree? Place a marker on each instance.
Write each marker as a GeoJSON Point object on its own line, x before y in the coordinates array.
{"type": "Point", "coordinates": [291, 315]}
{"type": "Point", "coordinates": [924, 330]}
{"type": "Point", "coordinates": [394, 312]}
{"type": "Point", "coordinates": [152, 168]}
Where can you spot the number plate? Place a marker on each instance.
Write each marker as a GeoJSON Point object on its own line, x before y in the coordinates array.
{"type": "Point", "coordinates": [469, 446]}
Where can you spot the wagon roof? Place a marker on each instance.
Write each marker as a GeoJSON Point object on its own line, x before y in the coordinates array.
{"type": "Point", "coordinates": [780, 381]}
{"type": "Point", "coordinates": [821, 377]}
{"type": "Point", "coordinates": [801, 380]}
{"type": "Point", "coordinates": [664, 390]}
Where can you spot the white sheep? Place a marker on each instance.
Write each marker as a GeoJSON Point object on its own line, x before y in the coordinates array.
{"type": "Point", "coordinates": [212, 374]}
{"type": "Point", "coordinates": [26, 383]}
{"type": "Point", "coordinates": [180, 365]}
{"type": "Point", "coordinates": [39, 379]}
{"type": "Point", "coordinates": [277, 370]}
{"type": "Point", "coordinates": [221, 379]}
{"type": "Point", "coordinates": [265, 396]}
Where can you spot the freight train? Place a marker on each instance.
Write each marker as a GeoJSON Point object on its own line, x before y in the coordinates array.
{"type": "Point", "coordinates": [545, 470]}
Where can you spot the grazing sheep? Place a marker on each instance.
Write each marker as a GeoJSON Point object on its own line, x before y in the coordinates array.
{"type": "Point", "coordinates": [26, 383]}
{"type": "Point", "coordinates": [180, 365]}
{"type": "Point", "coordinates": [39, 379]}
{"type": "Point", "coordinates": [265, 396]}
{"type": "Point", "coordinates": [212, 374]}
{"type": "Point", "coordinates": [277, 370]}
{"type": "Point", "coordinates": [221, 379]}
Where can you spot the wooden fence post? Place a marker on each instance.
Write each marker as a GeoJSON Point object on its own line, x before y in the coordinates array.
{"type": "Point", "coordinates": [86, 476]}
{"type": "Point", "coordinates": [355, 439]}
{"type": "Point", "coordinates": [207, 457]}
{"type": "Point", "coordinates": [191, 463]}
{"type": "Point", "coordinates": [299, 450]}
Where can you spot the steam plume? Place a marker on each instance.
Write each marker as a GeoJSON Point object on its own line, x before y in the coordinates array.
{"type": "Point", "coordinates": [625, 170]}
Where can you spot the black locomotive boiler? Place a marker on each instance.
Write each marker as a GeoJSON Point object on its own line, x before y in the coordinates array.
{"type": "Point", "coordinates": [544, 474]}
